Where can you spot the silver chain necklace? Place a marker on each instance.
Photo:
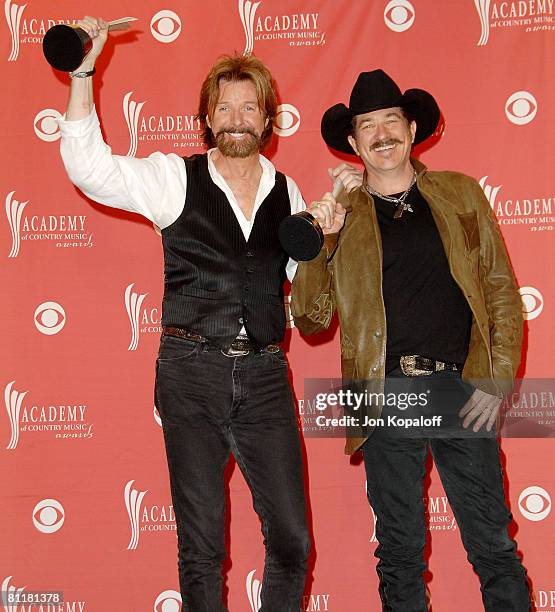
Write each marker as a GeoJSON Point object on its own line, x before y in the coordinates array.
{"type": "Point", "coordinates": [399, 202]}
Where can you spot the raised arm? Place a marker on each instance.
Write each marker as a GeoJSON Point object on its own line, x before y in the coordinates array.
{"type": "Point", "coordinates": [154, 187]}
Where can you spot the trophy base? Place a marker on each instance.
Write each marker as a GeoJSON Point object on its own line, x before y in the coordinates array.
{"type": "Point", "coordinates": [65, 47]}
{"type": "Point", "coordinates": [301, 236]}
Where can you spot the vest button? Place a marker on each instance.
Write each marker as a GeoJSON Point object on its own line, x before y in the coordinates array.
{"type": "Point", "coordinates": [250, 270]}
{"type": "Point", "coordinates": [250, 254]}
{"type": "Point", "coordinates": [246, 289]}
{"type": "Point", "coordinates": [241, 320]}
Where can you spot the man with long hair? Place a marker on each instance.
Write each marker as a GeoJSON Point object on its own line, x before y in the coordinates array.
{"type": "Point", "coordinates": [221, 378]}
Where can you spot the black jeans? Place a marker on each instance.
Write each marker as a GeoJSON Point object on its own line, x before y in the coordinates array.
{"type": "Point", "coordinates": [213, 405]}
{"type": "Point", "coordinates": [471, 475]}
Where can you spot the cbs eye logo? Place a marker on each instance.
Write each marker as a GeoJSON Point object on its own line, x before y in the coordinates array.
{"type": "Point", "coordinates": [165, 26]}
{"type": "Point", "coordinates": [521, 107]}
{"type": "Point", "coordinates": [532, 302]}
{"type": "Point", "coordinates": [50, 318]}
{"type": "Point", "coordinates": [168, 601]}
{"type": "Point", "coordinates": [287, 121]}
{"type": "Point", "coordinates": [534, 503]}
{"type": "Point", "coordinates": [48, 516]}
{"type": "Point", "coordinates": [399, 15]}
{"type": "Point", "coordinates": [45, 125]}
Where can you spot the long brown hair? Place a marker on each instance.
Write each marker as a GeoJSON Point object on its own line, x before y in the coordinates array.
{"type": "Point", "coordinates": [237, 68]}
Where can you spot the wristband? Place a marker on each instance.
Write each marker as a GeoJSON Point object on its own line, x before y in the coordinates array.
{"type": "Point", "coordinates": [82, 75]}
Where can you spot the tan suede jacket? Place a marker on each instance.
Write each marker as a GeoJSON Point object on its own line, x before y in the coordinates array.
{"type": "Point", "coordinates": [347, 275]}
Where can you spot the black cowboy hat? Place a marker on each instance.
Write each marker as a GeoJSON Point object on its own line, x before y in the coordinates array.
{"type": "Point", "coordinates": [373, 91]}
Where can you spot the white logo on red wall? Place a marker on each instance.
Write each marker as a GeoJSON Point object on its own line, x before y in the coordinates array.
{"type": "Point", "coordinates": [534, 214]}
{"type": "Point", "coordinates": [439, 515]}
{"type": "Point", "coordinates": [12, 594]}
{"type": "Point", "coordinates": [154, 518]}
{"type": "Point", "coordinates": [14, 212]}
{"type": "Point", "coordinates": [309, 603]}
{"type": "Point", "coordinates": [289, 321]}
{"type": "Point", "coordinates": [534, 503]}
{"type": "Point", "coordinates": [50, 318]}
{"type": "Point", "coordinates": [64, 231]}
{"type": "Point", "coordinates": [544, 600]}
{"type": "Point", "coordinates": [45, 125]}
{"type": "Point", "coordinates": [143, 320]}
{"type": "Point", "coordinates": [300, 29]}
{"type": "Point", "coordinates": [165, 26]}
{"type": "Point", "coordinates": [167, 130]}
{"type": "Point", "coordinates": [532, 302]}
{"type": "Point", "coordinates": [399, 15]}
{"type": "Point", "coordinates": [521, 107]}
{"type": "Point", "coordinates": [156, 416]}
{"type": "Point", "coordinates": [24, 31]}
{"type": "Point", "coordinates": [287, 120]}
{"type": "Point", "coordinates": [48, 516]}
{"type": "Point", "coordinates": [168, 601]}
{"type": "Point", "coordinates": [63, 421]}
{"type": "Point", "coordinates": [132, 113]}
{"type": "Point", "coordinates": [254, 588]}
{"type": "Point", "coordinates": [527, 16]}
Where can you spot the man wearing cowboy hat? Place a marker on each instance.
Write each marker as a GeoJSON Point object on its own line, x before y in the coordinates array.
{"type": "Point", "coordinates": [426, 299]}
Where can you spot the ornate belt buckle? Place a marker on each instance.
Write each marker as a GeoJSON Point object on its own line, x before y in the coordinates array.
{"type": "Point", "coordinates": [408, 366]}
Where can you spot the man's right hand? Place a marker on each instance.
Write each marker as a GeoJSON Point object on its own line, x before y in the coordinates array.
{"type": "Point", "coordinates": [329, 213]}
{"type": "Point", "coordinates": [97, 29]}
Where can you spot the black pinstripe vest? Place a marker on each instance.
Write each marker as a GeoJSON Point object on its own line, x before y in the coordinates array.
{"type": "Point", "coordinates": [215, 281]}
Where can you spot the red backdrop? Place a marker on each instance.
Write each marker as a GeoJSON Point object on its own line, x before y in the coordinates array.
{"type": "Point", "coordinates": [85, 498]}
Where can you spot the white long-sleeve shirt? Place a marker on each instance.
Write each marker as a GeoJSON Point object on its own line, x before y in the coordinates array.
{"type": "Point", "coordinates": [154, 186]}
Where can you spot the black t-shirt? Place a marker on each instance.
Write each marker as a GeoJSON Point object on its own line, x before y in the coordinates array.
{"type": "Point", "coordinates": [426, 311]}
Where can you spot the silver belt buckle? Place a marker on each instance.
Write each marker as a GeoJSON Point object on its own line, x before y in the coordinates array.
{"type": "Point", "coordinates": [408, 366]}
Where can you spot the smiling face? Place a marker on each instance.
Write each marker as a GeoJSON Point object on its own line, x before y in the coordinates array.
{"type": "Point", "coordinates": [383, 140]}
{"type": "Point", "coordinates": [237, 121]}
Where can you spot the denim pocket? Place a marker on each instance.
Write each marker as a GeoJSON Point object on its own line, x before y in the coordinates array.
{"type": "Point", "coordinates": [173, 348]}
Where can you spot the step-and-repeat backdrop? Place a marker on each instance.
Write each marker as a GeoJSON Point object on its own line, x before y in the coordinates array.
{"type": "Point", "coordinates": [85, 501]}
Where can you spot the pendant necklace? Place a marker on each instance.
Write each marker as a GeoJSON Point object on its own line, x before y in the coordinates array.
{"type": "Point", "coordinates": [399, 202]}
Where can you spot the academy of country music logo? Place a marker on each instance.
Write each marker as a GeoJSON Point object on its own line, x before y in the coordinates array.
{"type": "Point", "coordinates": [168, 601]}
{"type": "Point", "coordinates": [527, 15]}
{"type": "Point", "coordinates": [293, 30]}
{"type": "Point", "coordinates": [29, 416]}
{"type": "Point", "coordinates": [175, 131]}
{"type": "Point", "coordinates": [143, 517]}
{"type": "Point", "coordinates": [536, 213]}
{"type": "Point", "coordinates": [15, 599]}
{"type": "Point", "coordinates": [165, 26]}
{"type": "Point", "coordinates": [143, 319]}
{"type": "Point", "coordinates": [309, 603]}
{"type": "Point", "coordinates": [439, 516]}
{"type": "Point", "coordinates": [26, 30]}
{"type": "Point", "coordinates": [399, 15]}
{"type": "Point", "coordinates": [61, 231]}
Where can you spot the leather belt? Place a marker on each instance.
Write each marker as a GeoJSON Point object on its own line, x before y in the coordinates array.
{"type": "Point", "coordinates": [416, 365]}
{"type": "Point", "coordinates": [242, 345]}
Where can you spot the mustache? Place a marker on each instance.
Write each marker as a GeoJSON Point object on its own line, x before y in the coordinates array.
{"type": "Point", "coordinates": [239, 130]}
{"type": "Point", "coordinates": [385, 143]}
